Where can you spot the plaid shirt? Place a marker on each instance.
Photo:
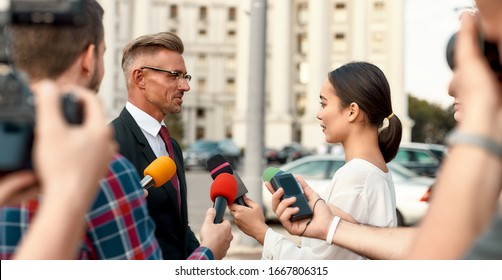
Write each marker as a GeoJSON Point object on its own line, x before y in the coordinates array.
{"type": "Point", "coordinates": [118, 224]}
{"type": "Point", "coordinates": [201, 253]}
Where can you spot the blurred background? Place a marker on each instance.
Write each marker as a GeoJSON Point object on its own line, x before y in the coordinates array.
{"type": "Point", "coordinates": [303, 40]}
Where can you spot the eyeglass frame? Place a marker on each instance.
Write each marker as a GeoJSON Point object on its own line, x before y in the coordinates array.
{"type": "Point", "coordinates": [176, 74]}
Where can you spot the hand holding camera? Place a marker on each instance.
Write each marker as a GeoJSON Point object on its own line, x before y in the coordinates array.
{"type": "Point", "coordinates": [66, 155]}
{"type": "Point", "coordinates": [17, 119]}
{"type": "Point", "coordinates": [489, 50]}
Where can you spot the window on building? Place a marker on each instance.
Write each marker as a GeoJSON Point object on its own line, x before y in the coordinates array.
{"type": "Point", "coordinates": [232, 14]}
{"type": "Point", "coordinates": [230, 85]}
{"type": "Point", "coordinates": [201, 113]}
{"type": "Point", "coordinates": [203, 13]}
{"type": "Point", "coordinates": [173, 12]}
{"type": "Point", "coordinates": [200, 133]}
{"type": "Point", "coordinates": [303, 72]}
{"type": "Point", "coordinates": [340, 12]}
{"type": "Point", "coordinates": [302, 44]}
{"type": "Point", "coordinates": [231, 34]}
{"type": "Point", "coordinates": [379, 10]}
{"type": "Point", "coordinates": [201, 60]}
{"type": "Point", "coordinates": [378, 41]}
{"type": "Point", "coordinates": [202, 35]}
{"type": "Point", "coordinates": [339, 42]}
{"type": "Point", "coordinates": [302, 14]}
{"type": "Point", "coordinates": [379, 5]}
{"type": "Point", "coordinates": [230, 62]}
{"type": "Point", "coordinates": [201, 85]}
{"type": "Point", "coordinates": [301, 104]}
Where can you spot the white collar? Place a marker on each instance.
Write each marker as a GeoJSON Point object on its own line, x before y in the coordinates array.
{"type": "Point", "coordinates": [145, 121]}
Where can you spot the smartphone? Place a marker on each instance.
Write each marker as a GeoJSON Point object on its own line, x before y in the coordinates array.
{"type": "Point", "coordinates": [292, 188]}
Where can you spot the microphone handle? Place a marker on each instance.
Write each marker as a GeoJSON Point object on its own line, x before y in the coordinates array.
{"type": "Point", "coordinates": [220, 204]}
{"type": "Point", "coordinates": [147, 182]}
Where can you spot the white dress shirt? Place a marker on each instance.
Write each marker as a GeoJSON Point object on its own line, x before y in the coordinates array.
{"type": "Point", "coordinates": [150, 128]}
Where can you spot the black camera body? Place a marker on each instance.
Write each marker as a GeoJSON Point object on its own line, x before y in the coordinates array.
{"type": "Point", "coordinates": [489, 49]}
{"type": "Point", "coordinates": [17, 110]}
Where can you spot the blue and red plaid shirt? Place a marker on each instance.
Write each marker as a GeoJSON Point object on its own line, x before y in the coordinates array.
{"type": "Point", "coordinates": [118, 224]}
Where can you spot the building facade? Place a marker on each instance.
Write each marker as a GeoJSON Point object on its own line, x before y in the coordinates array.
{"type": "Point", "coordinates": [305, 40]}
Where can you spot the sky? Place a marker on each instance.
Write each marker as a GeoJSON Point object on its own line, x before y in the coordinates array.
{"type": "Point", "coordinates": [429, 25]}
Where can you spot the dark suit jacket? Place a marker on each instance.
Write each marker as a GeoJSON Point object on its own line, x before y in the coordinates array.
{"type": "Point", "coordinates": [173, 233]}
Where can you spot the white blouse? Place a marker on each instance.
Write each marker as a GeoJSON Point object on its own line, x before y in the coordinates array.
{"type": "Point", "coordinates": [359, 188]}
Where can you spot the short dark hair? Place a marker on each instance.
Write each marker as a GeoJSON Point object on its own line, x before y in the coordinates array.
{"type": "Point", "coordinates": [47, 51]}
{"type": "Point", "coordinates": [366, 85]}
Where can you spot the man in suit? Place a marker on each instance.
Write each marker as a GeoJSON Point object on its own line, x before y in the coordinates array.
{"type": "Point", "coordinates": [156, 79]}
{"type": "Point", "coordinates": [73, 55]}
{"type": "Point", "coordinates": [117, 225]}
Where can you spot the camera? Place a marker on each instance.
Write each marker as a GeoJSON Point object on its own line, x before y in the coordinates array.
{"type": "Point", "coordinates": [17, 110]}
{"type": "Point", "coordinates": [489, 49]}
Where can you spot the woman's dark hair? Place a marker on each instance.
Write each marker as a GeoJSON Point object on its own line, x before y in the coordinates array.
{"type": "Point", "coordinates": [366, 85]}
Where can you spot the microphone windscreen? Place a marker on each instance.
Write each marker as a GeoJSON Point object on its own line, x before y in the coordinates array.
{"type": "Point", "coordinates": [217, 164]}
{"type": "Point", "coordinates": [161, 170]}
{"type": "Point", "coordinates": [224, 185]}
{"type": "Point", "coordinates": [269, 173]}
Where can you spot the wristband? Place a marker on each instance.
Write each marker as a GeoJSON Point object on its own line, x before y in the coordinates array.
{"type": "Point", "coordinates": [458, 137]}
{"type": "Point", "coordinates": [332, 229]}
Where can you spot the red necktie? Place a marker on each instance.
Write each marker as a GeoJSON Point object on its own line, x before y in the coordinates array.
{"type": "Point", "coordinates": [164, 134]}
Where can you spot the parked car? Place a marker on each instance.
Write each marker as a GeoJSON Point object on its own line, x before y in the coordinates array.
{"type": "Point", "coordinates": [197, 154]}
{"type": "Point", "coordinates": [292, 152]}
{"type": "Point", "coordinates": [270, 155]}
{"type": "Point", "coordinates": [423, 159]}
{"type": "Point", "coordinates": [412, 190]}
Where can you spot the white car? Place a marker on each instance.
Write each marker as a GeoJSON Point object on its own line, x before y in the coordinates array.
{"type": "Point", "coordinates": [412, 190]}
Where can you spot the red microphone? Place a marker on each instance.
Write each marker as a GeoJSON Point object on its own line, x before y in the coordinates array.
{"type": "Point", "coordinates": [222, 193]}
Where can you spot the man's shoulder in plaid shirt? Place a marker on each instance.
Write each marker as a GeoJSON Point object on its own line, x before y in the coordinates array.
{"type": "Point", "coordinates": [118, 224]}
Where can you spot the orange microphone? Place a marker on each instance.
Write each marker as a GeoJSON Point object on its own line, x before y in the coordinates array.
{"type": "Point", "coordinates": [158, 172]}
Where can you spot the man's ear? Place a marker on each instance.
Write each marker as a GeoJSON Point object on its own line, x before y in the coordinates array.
{"type": "Point", "coordinates": [354, 111]}
{"type": "Point", "coordinates": [89, 60]}
{"type": "Point", "coordinates": [138, 78]}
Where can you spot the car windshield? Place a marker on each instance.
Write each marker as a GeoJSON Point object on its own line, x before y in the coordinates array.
{"type": "Point", "coordinates": [401, 171]}
{"type": "Point", "coordinates": [203, 146]}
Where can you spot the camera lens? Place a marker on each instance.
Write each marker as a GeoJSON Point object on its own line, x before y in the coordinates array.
{"type": "Point", "coordinates": [450, 51]}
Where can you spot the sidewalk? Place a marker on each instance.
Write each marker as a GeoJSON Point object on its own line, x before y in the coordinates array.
{"type": "Point", "coordinates": [240, 251]}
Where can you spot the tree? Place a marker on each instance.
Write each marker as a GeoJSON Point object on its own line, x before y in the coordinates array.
{"type": "Point", "coordinates": [431, 121]}
{"type": "Point", "coordinates": [175, 126]}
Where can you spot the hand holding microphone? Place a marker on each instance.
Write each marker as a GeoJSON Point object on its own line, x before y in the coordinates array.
{"type": "Point", "coordinates": [158, 172]}
{"type": "Point", "coordinates": [217, 165]}
{"type": "Point", "coordinates": [222, 193]}
{"type": "Point", "coordinates": [286, 181]}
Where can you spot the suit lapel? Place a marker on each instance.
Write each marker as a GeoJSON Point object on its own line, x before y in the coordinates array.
{"type": "Point", "coordinates": [150, 156]}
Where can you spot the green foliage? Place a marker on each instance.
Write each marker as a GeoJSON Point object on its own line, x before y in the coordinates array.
{"type": "Point", "coordinates": [431, 121]}
{"type": "Point", "coordinates": [175, 125]}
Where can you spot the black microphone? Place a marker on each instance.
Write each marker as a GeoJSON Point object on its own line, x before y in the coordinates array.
{"type": "Point", "coordinates": [217, 165]}
{"type": "Point", "coordinates": [222, 193]}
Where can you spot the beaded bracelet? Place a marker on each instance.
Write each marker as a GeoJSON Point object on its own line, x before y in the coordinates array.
{"type": "Point", "coordinates": [458, 137]}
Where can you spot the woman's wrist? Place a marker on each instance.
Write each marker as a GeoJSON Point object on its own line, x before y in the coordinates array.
{"type": "Point", "coordinates": [332, 229]}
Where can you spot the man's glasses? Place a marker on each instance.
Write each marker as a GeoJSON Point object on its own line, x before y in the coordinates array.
{"type": "Point", "coordinates": [175, 74]}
